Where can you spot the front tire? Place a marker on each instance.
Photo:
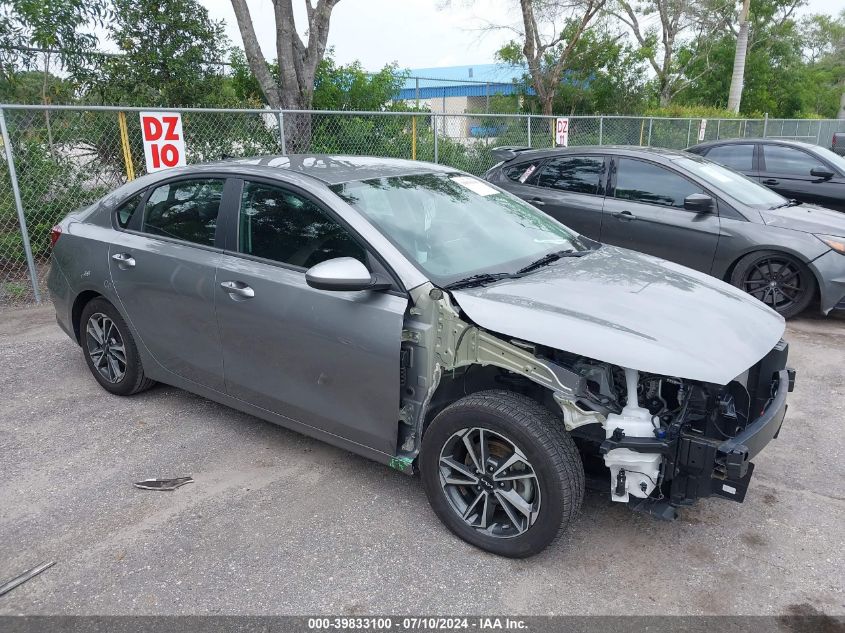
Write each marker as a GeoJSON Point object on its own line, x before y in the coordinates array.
{"type": "Point", "coordinates": [502, 473]}
{"type": "Point", "coordinates": [110, 351]}
{"type": "Point", "coordinates": [782, 282]}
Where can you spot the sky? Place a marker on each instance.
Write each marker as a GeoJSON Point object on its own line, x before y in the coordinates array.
{"type": "Point", "coordinates": [412, 33]}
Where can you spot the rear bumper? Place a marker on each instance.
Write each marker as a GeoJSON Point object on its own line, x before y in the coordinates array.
{"type": "Point", "coordinates": [59, 289]}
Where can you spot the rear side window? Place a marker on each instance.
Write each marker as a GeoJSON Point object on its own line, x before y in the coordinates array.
{"type": "Point", "coordinates": [123, 214]}
{"type": "Point", "coordinates": [521, 172]}
{"type": "Point", "coordinates": [578, 174]}
{"type": "Point", "coordinates": [185, 210]}
{"type": "Point", "coordinates": [738, 157]}
{"type": "Point", "coordinates": [651, 184]}
{"type": "Point", "coordinates": [277, 224]}
{"type": "Point", "coordinates": [788, 160]}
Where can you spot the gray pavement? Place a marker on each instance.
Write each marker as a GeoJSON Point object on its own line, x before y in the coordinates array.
{"type": "Point", "coordinates": [277, 523]}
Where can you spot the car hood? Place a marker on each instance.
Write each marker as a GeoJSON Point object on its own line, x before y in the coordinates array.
{"type": "Point", "coordinates": [808, 218]}
{"type": "Point", "coordinates": [631, 310]}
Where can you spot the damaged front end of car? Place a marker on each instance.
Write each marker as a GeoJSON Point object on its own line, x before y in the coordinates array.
{"type": "Point", "coordinates": [656, 442]}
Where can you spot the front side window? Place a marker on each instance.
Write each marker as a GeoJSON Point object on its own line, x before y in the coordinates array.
{"type": "Point", "coordinates": [788, 160]}
{"type": "Point", "coordinates": [185, 210]}
{"type": "Point", "coordinates": [277, 224]}
{"type": "Point", "coordinates": [123, 214]}
{"type": "Point", "coordinates": [639, 181]}
{"type": "Point", "coordinates": [453, 225]}
{"type": "Point", "coordinates": [578, 174]}
{"type": "Point", "coordinates": [739, 157]}
{"type": "Point", "coordinates": [741, 188]}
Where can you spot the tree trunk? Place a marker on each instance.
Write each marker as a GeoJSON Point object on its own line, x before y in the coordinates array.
{"type": "Point", "coordinates": [738, 77]}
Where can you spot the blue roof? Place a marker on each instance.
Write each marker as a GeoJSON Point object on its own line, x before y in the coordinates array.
{"type": "Point", "coordinates": [473, 80]}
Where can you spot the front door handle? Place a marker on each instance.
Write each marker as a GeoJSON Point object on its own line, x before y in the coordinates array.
{"type": "Point", "coordinates": [238, 290]}
{"type": "Point", "coordinates": [538, 202]}
{"type": "Point", "coordinates": [771, 181]}
{"type": "Point", "coordinates": [624, 215]}
{"type": "Point", "coordinates": [124, 260]}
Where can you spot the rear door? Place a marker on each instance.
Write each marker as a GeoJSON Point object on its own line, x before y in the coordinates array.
{"type": "Point", "coordinates": [644, 211]}
{"type": "Point", "coordinates": [162, 263]}
{"type": "Point", "coordinates": [741, 157]}
{"type": "Point", "coordinates": [787, 169]}
{"type": "Point", "coordinates": [571, 189]}
{"type": "Point", "coordinates": [326, 359]}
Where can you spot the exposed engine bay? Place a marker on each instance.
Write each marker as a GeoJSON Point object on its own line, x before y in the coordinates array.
{"type": "Point", "coordinates": [657, 442]}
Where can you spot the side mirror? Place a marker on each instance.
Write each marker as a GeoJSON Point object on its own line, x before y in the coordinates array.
{"type": "Point", "coordinates": [343, 273]}
{"type": "Point", "coordinates": [821, 172]}
{"type": "Point", "coordinates": [698, 203]}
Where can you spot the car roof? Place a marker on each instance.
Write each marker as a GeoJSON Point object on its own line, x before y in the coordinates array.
{"type": "Point", "coordinates": [625, 150]}
{"type": "Point", "coordinates": [744, 141]}
{"type": "Point", "coordinates": [328, 168]}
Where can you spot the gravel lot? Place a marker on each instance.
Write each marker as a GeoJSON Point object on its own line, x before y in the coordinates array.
{"type": "Point", "coordinates": [277, 523]}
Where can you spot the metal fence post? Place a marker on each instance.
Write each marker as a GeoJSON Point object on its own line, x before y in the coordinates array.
{"type": "Point", "coordinates": [529, 131]}
{"type": "Point", "coordinates": [689, 132]}
{"type": "Point", "coordinates": [30, 262]}
{"type": "Point", "coordinates": [281, 117]}
{"type": "Point", "coordinates": [601, 128]}
{"type": "Point", "coordinates": [818, 133]}
{"type": "Point", "coordinates": [765, 123]}
{"type": "Point", "coordinates": [718, 128]}
{"type": "Point", "coordinates": [434, 120]}
{"type": "Point", "coordinates": [650, 123]}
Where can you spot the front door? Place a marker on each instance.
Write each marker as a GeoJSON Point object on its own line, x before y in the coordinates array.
{"type": "Point", "coordinates": [327, 359]}
{"type": "Point", "coordinates": [163, 274]}
{"type": "Point", "coordinates": [787, 170]}
{"type": "Point", "coordinates": [645, 212]}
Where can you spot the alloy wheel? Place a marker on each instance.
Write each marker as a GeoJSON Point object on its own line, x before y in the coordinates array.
{"type": "Point", "coordinates": [489, 482]}
{"type": "Point", "coordinates": [105, 347]}
{"type": "Point", "coordinates": [777, 282]}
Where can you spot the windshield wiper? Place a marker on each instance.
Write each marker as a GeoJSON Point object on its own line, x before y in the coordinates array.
{"type": "Point", "coordinates": [477, 280]}
{"type": "Point", "coordinates": [552, 257]}
{"type": "Point", "coordinates": [792, 202]}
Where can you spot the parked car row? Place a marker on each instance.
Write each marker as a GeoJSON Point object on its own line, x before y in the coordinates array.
{"type": "Point", "coordinates": [686, 209]}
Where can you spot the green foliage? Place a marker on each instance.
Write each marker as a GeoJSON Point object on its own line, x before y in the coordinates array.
{"type": "Point", "coordinates": [167, 47]}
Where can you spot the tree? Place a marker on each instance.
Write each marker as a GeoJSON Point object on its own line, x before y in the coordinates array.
{"type": "Point", "coordinates": [679, 39]}
{"type": "Point", "coordinates": [168, 49]}
{"type": "Point", "coordinates": [737, 77]}
{"type": "Point", "coordinates": [547, 57]}
{"type": "Point", "coordinates": [297, 62]}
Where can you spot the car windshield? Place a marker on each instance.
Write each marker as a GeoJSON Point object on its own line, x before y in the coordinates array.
{"type": "Point", "coordinates": [454, 226]}
{"type": "Point", "coordinates": [732, 183]}
{"type": "Point", "coordinates": [834, 159]}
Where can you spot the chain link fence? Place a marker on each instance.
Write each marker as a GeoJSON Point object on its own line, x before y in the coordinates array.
{"type": "Point", "coordinates": [62, 158]}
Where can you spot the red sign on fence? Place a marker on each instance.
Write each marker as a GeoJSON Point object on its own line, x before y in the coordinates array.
{"type": "Point", "coordinates": [164, 145]}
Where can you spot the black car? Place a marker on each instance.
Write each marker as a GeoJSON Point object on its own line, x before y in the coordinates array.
{"type": "Point", "coordinates": [796, 170]}
{"type": "Point", "coordinates": [686, 209]}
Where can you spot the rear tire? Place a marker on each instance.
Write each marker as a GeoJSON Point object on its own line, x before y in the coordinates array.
{"type": "Point", "coordinates": [781, 281]}
{"type": "Point", "coordinates": [526, 485]}
{"type": "Point", "coordinates": [110, 351]}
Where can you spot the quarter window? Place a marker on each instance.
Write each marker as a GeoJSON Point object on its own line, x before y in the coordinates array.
{"type": "Point", "coordinates": [651, 184]}
{"type": "Point", "coordinates": [738, 157]}
{"type": "Point", "coordinates": [185, 210]}
{"type": "Point", "coordinates": [520, 173]}
{"type": "Point", "coordinates": [123, 214]}
{"type": "Point", "coordinates": [578, 174]}
{"type": "Point", "coordinates": [788, 160]}
{"type": "Point", "coordinates": [280, 225]}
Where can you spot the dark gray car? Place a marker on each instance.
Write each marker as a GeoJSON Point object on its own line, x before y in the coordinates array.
{"type": "Point", "coordinates": [423, 318]}
{"type": "Point", "coordinates": [796, 170]}
{"type": "Point", "coordinates": [688, 210]}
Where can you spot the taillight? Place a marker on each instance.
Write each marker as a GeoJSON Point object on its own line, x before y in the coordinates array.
{"type": "Point", "coordinates": [55, 234]}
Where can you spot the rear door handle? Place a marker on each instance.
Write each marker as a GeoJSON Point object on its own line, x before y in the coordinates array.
{"type": "Point", "coordinates": [124, 260]}
{"type": "Point", "coordinates": [771, 181]}
{"type": "Point", "coordinates": [238, 290]}
{"type": "Point", "coordinates": [537, 201]}
{"type": "Point", "coordinates": [624, 215]}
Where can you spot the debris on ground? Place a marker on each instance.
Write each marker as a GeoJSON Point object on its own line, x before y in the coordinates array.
{"type": "Point", "coordinates": [163, 484]}
{"type": "Point", "coordinates": [22, 578]}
